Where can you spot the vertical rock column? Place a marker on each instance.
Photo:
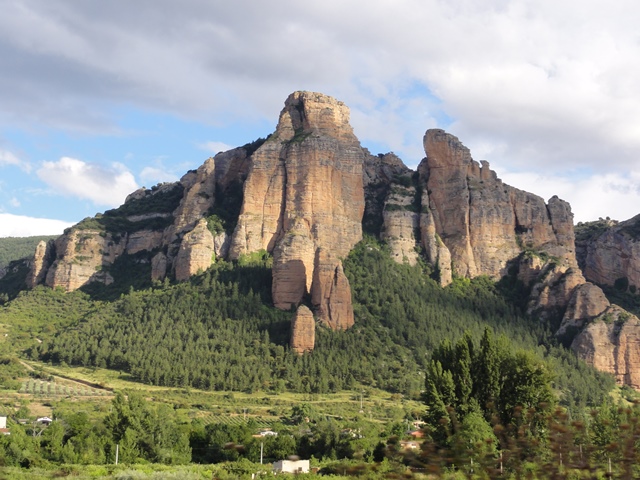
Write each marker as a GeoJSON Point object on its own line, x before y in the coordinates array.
{"type": "Point", "coordinates": [304, 192]}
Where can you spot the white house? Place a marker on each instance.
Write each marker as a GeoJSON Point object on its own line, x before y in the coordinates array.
{"type": "Point", "coordinates": [3, 426]}
{"type": "Point", "coordinates": [291, 466]}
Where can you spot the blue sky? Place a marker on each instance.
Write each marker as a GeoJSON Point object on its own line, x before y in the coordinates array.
{"type": "Point", "coordinates": [98, 98]}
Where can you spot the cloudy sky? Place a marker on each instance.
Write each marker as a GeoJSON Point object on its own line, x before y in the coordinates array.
{"type": "Point", "coordinates": [98, 98]}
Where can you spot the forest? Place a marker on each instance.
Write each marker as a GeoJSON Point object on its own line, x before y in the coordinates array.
{"type": "Point", "coordinates": [493, 382]}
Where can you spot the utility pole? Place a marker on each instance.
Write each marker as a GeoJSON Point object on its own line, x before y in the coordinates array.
{"type": "Point", "coordinates": [361, 405]}
{"type": "Point", "coordinates": [261, 450]}
{"type": "Point", "coordinates": [117, 452]}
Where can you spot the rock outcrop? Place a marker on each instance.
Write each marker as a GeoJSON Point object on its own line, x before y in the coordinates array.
{"type": "Point", "coordinates": [304, 195]}
{"type": "Point", "coordinates": [196, 252]}
{"type": "Point", "coordinates": [303, 331]}
{"type": "Point", "coordinates": [401, 221]}
{"type": "Point", "coordinates": [80, 258]}
{"type": "Point", "coordinates": [42, 259]}
{"type": "Point", "coordinates": [611, 343]}
{"type": "Point", "coordinates": [304, 192]}
{"type": "Point", "coordinates": [331, 292]}
{"type": "Point", "coordinates": [483, 222]}
{"type": "Point", "coordinates": [613, 257]}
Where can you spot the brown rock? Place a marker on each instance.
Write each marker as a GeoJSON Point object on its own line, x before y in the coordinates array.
{"type": "Point", "coordinates": [551, 294]}
{"type": "Point", "coordinates": [196, 252]}
{"type": "Point", "coordinates": [159, 266]}
{"type": "Point", "coordinates": [331, 292]}
{"type": "Point", "coordinates": [293, 264]}
{"type": "Point", "coordinates": [42, 259]}
{"type": "Point", "coordinates": [484, 223]}
{"type": "Point", "coordinates": [436, 252]}
{"type": "Point", "coordinates": [611, 344]}
{"type": "Point", "coordinates": [400, 222]}
{"type": "Point", "coordinates": [303, 192]}
{"type": "Point", "coordinates": [587, 302]}
{"type": "Point", "coordinates": [80, 257]}
{"type": "Point", "coordinates": [310, 168]}
{"type": "Point", "coordinates": [615, 255]}
{"type": "Point", "coordinates": [197, 200]}
{"type": "Point", "coordinates": [445, 172]}
{"type": "Point", "coordinates": [303, 331]}
{"type": "Point", "coordinates": [143, 240]}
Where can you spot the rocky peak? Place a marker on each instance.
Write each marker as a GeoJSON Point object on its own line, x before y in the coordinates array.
{"type": "Point", "coordinates": [304, 192]}
{"type": "Point", "coordinates": [307, 113]}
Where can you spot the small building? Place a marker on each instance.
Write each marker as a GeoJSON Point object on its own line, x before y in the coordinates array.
{"type": "Point", "coordinates": [291, 466]}
{"type": "Point", "coordinates": [3, 426]}
{"type": "Point", "coordinates": [266, 433]}
{"type": "Point", "coordinates": [409, 445]}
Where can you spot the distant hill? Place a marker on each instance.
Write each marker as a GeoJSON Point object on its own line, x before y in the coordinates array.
{"type": "Point", "coordinates": [15, 248]}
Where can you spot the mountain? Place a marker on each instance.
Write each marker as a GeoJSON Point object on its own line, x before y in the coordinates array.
{"type": "Point", "coordinates": [305, 195]}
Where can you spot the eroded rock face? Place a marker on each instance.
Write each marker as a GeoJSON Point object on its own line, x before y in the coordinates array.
{"type": "Point", "coordinates": [586, 303]}
{"type": "Point", "coordinates": [331, 292]}
{"type": "Point", "coordinates": [80, 258]}
{"type": "Point", "coordinates": [197, 200]}
{"type": "Point", "coordinates": [615, 256]}
{"type": "Point", "coordinates": [42, 258]}
{"type": "Point", "coordinates": [196, 252]}
{"type": "Point", "coordinates": [611, 343]}
{"type": "Point", "coordinates": [303, 331]}
{"type": "Point", "coordinates": [304, 192]}
{"type": "Point", "coordinates": [401, 222]}
{"type": "Point", "coordinates": [483, 222]}
{"type": "Point", "coordinates": [293, 264]}
{"type": "Point", "coordinates": [158, 266]}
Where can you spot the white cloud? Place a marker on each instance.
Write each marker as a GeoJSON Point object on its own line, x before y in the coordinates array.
{"type": "Point", "coordinates": [8, 158]}
{"type": "Point", "coordinates": [22, 226]}
{"type": "Point", "coordinates": [14, 202]}
{"type": "Point", "coordinates": [534, 85]}
{"type": "Point", "coordinates": [215, 147]}
{"type": "Point", "coordinates": [591, 196]}
{"type": "Point", "coordinates": [102, 185]}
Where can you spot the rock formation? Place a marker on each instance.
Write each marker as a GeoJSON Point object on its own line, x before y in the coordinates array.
{"type": "Point", "coordinates": [304, 195]}
{"type": "Point", "coordinates": [196, 252]}
{"type": "Point", "coordinates": [303, 331]}
{"type": "Point", "coordinates": [613, 256]}
{"type": "Point", "coordinates": [330, 292]}
{"type": "Point", "coordinates": [401, 221]}
{"type": "Point", "coordinates": [304, 192]}
{"type": "Point", "coordinates": [611, 343]}
{"type": "Point", "coordinates": [484, 223]}
{"type": "Point", "coordinates": [42, 259]}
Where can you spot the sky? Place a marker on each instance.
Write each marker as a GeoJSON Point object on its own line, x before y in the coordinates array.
{"type": "Point", "coordinates": [100, 98]}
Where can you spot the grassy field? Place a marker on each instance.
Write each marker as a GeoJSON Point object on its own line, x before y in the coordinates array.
{"type": "Point", "coordinates": [95, 387]}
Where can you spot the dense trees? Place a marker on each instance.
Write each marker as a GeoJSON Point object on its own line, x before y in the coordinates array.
{"type": "Point", "coordinates": [218, 332]}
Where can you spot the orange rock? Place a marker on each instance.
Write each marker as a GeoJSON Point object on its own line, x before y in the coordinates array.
{"type": "Point", "coordinates": [303, 331]}
{"type": "Point", "coordinates": [611, 344]}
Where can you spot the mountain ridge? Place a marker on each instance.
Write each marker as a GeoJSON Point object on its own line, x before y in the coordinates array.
{"type": "Point", "coordinates": [302, 194]}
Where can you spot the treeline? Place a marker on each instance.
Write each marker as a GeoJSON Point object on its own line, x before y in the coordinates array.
{"type": "Point", "coordinates": [15, 248]}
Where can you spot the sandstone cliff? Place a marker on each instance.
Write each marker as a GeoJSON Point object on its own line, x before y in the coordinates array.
{"type": "Point", "coordinates": [304, 192]}
{"type": "Point", "coordinates": [611, 343]}
{"type": "Point", "coordinates": [303, 331]}
{"type": "Point", "coordinates": [612, 256]}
